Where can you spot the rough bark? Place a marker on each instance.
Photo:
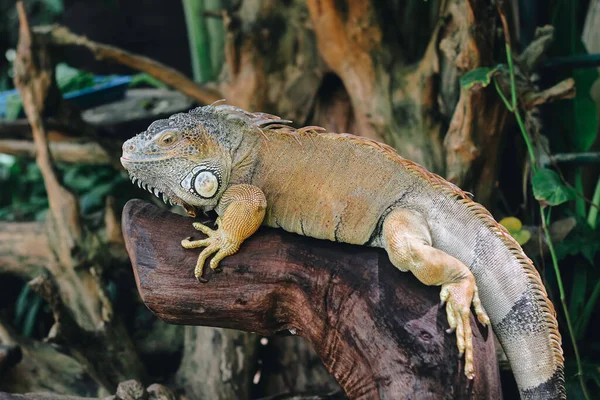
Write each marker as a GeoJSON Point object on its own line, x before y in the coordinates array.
{"type": "Point", "coordinates": [70, 152]}
{"type": "Point", "coordinates": [217, 363]}
{"type": "Point", "coordinates": [290, 365]}
{"type": "Point", "coordinates": [24, 248]}
{"type": "Point", "coordinates": [378, 331]}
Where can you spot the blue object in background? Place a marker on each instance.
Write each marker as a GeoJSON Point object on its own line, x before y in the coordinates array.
{"type": "Point", "coordinates": [107, 90]}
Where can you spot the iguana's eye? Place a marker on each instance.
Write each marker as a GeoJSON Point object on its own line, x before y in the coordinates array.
{"type": "Point", "coordinates": [167, 139]}
{"type": "Point", "coordinates": [206, 184]}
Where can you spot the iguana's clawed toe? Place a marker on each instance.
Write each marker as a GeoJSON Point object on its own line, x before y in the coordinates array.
{"type": "Point", "coordinates": [479, 311]}
{"type": "Point", "coordinates": [203, 228]}
{"type": "Point", "coordinates": [458, 298]}
{"type": "Point", "coordinates": [216, 242]}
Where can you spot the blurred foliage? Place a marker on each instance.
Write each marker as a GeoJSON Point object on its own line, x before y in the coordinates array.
{"type": "Point", "coordinates": [206, 37]}
{"type": "Point", "coordinates": [23, 197]}
{"type": "Point", "coordinates": [578, 117]}
{"type": "Point", "coordinates": [145, 80]}
{"type": "Point", "coordinates": [573, 127]}
{"type": "Point", "coordinates": [27, 308]}
{"type": "Point", "coordinates": [69, 79]}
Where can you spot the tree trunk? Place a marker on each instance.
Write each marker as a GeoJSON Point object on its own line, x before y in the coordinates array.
{"type": "Point", "coordinates": [217, 363]}
{"type": "Point", "coordinates": [385, 70]}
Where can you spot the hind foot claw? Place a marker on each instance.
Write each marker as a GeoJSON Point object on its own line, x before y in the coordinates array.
{"type": "Point", "coordinates": [458, 297]}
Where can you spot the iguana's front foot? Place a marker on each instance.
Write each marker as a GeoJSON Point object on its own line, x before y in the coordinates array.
{"type": "Point", "coordinates": [458, 297]}
{"type": "Point", "coordinates": [242, 209]}
{"type": "Point", "coordinates": [217, 242]}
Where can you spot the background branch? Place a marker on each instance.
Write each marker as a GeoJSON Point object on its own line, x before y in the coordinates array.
{"type": "Point", "coordinates": [60, 35]}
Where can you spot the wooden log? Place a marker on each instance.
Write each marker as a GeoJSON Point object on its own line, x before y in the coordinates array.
{"type": "Point", "coordinates": [379, 331]}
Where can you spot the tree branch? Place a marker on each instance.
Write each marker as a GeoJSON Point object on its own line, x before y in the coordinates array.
{"type": "Point", "coordinates": [69, 152]}
{"type": "Point", "coordinates": [24, 248]}
{"type": "Point", "coordinates": [34, 77]}
{"type": "Point", "coordinates": [84, 317]}
{"type": "Point", "coordinates": [60, 35]}
{"type": "Point", "coordinates": [349, 302]}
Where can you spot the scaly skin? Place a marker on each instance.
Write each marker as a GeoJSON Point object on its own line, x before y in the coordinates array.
{"type": "Point", "coordinates": [348, 189]}
{"type": "Point", "coordinates": [243, 209]}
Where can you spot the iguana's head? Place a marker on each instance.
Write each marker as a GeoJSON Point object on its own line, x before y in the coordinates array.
{"type": "Point", "coordinates": [180, 159]}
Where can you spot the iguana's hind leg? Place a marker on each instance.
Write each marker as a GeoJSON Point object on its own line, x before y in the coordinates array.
{"type": "Point", "coordinates": [407, 240]}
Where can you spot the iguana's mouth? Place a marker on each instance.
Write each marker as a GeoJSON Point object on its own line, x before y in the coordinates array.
{"type": "Point", "coordinates": [143, 185]}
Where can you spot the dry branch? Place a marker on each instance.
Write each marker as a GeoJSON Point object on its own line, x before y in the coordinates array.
{"type": "Point", "coordinates": [378, 331]}
{"type": "Point", "coordinates": [562, 90]}
{"type": "Point", "coordinates": [69, 152]}
{"type": "Point", "coordinates": [34, 78]}
{"type": "Point", "coordinates": [536, 50]}
{"type": "Point", "coordinates": [60, 35]}
{"type": "Point", "coordinates": [84, 321]}
{"type": "Point", "coordinates": [24, 248]}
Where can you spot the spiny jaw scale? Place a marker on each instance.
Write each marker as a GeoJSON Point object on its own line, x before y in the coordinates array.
{"type": "Point", "coordinates": [151, 189]}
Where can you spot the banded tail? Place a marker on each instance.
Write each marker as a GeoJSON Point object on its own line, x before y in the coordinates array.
{"type": "Point", "coordinates": [510, 287]}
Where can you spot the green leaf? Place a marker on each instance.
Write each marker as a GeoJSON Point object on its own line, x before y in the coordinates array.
{"type": "Point", "coordinates": [548, 188]}
{"type": "Point", "coordinates": [56, 7]}
{"type": "Point", "coordinates": [521, 236]}
{"type": "Point", "coordinates": [94, 199]}
{"type": "Point", "coordinates": [589, 309]}
{"type": "Point", "coordinates": [478, 77]}
{"type": "Point", "coordinates": [575, 121]}
{"type": "Point", "coordinates": [70, 79]}
{"type": "Point", "coordinates": [31, 318]}
{"type": "Point", "coordinates": [21, 304]}
{"type": "Point", "coordinates": [581, 240]}
{"type": "Point", "coordinates": [578, 293]}
{"type": "Point", "coordinates": [144, 79]}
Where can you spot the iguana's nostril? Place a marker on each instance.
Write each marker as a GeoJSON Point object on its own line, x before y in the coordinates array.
{"type": "Point", "coordinates": [128, 146]}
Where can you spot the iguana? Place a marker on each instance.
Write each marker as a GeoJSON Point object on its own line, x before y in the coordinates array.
{"type": "Point", "coordinates": [254, 169]}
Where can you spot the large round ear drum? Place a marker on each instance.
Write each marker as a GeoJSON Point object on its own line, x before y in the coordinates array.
{"type": "Point", "coordinates": [206, 184]}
